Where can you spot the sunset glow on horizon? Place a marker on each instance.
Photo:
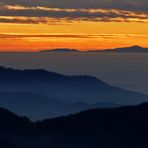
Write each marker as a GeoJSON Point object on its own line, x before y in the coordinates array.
{"type": "Point", "coordinates": [47, 25]}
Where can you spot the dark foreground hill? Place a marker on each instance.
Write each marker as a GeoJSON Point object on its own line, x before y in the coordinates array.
{"type": "Point", "coordinates": [66, 88]}
{"type": "Point", "coordinates": [124, 127]}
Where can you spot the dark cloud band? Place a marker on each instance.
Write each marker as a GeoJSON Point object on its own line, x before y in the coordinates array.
{"type": "Point", "coordinates": [88, 10]}
{"type": "Point", "coordinates": [131, 5]}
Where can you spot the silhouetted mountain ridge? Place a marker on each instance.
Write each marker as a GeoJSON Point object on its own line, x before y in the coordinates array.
{"type": "Point", "coordinates": [66, 88]}
{"type": "Point", "coordinates": [37, 107]}
{"type": "Point", "coordinates": [119, 127]}
{"type": "Point", "coordinates": [10, 120]}
{"type": "Point", "coordinates": [10, 74]}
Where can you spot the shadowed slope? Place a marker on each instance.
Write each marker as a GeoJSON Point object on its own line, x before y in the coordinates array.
{"type": "Point", "coordinates": [66, 88]}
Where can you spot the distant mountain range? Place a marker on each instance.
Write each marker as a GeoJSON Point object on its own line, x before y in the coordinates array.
{"type": "Point", "coordinates": [61, 50]}
{"type": "Point", "coordinates": [65, 88]}
{"type": "Point", "coordinates": [104, 128]}
{"type": "Point", "coordinates": [37, 107]}
{"type": "Point", "coordinates": [134, 49]}
{"type": "Point", "coordinates": [42, 94]}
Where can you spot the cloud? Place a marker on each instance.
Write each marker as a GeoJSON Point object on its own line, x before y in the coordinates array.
{"type": "Point", "coordinates": [41, 11]}
{"type": "Point", "coordinates": [45, 14]}
{"type": "Point", "coordinates": [105, 36]}
{"type": "Point", "coordinates": [10, 36]}
{"type": "Point", "coordinates": [132, 5]}
{"type": "Point", "coordinates": [22, 20]}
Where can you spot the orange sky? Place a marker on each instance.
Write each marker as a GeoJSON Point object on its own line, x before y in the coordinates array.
{"type": "Point", "coordinates": [63, 33]}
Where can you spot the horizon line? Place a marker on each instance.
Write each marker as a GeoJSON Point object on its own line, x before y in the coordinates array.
{"type": "Point", "coordinates": [63, 48]}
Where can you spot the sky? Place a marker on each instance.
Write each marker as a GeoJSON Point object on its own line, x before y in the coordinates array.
{"type": "Point", "coordinates": [33, 25]}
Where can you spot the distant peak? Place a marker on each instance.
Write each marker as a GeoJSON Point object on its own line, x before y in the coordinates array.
{"type": "Point", "coordinates": [61, 50]}
{"type": "Point", "coordinates": [135, 46]}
